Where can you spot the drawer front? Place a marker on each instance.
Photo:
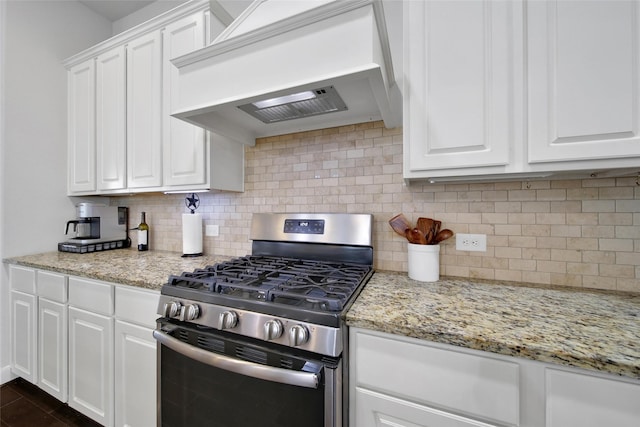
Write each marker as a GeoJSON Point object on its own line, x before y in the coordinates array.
{"type": "Point", "coordinates": [463, 383]}
{"type": "Point", "coordinates": [137, 306]}
{"type": "Point", "coordinates": [23, 279]}
{"type": "Point", "coordinates": [52, 286]}
{"type": "Point", "coordinates": [96, 297]}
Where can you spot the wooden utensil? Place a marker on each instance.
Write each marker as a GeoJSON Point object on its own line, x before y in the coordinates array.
{"type": "Point", "coordinates": [424, 225]}
{"type": "Point", "coordinates": [400, 224]}
{"type": "Point", "coordinates": [415, 236]}
{"type": "Point", "coordinates": [442, 235]}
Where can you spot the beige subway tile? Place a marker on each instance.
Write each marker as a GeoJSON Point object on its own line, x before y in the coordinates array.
{"type": "Point", "coordinates": [522, 241]}
{"type": "Point", "coordinates": [599, 282]}
{"type": "Point", "coordinates": [609, 218]}
{"type": "Point", "coordinates": [508, 185]}
{"type": "Point", "coordinates": [600, 257]}
{"type": "Point", "coordinates": [566, 255]}
{"type": "Point", "coordinates": [582, 194]}
{"type": "Point", "coordinates": [522, 218]}
{"type": "Point", "coordinates": [495, 196]}
{"type": "Point", "coordinates": [615, 193]}
{"type": "Point", "coordinates": [495, 263]}
{"type": "Point", "coordinates": [630, 258]}
{"type": "Point", "coordinates": [536, 253]}
{"type": "Point", "coordinates": [598, 231]}
{"type": "Point", "coordinates": [559, 279]}
{"type": "Point", "coordinates": [522, 195]}
{"type": "Point", "coordinates": [600, 182]}
{"type": "Point", "coordinates": [561, 230]}
{"type": "Point", "coordinates": [508, 230]}
{"type": "Point", "coordinates": [627, 232]}
{"type": "Point", "coordinates": [536, 185]}
{"type": "Point", "coordinates": [507, 207]}
{"type": "Point", "coordinates": [566, 206]}
{"type": "Point", "coordinates": [536, 230]}
{"type": "Point", "coordinates": [616, 245]}
{"type": "Point", "coordinates": [509, 275]}
{"type": "Point", "coordinates": [616, 270]}
{"type": "Point", "coordinates": [566, 183]}
{"type": "Point", "coordinates": [481, 273]}
{"type": "Point", "coordinates": [552, 266]}
{"type": "Point", "coordinates": [482, 207]}
{"type": "Point", "coordinates": [551, 242]}
{"type": "Point", "coordinates": [536, 207]}
{"type": "Point", "coordinates": [456, 270]}
{"type": "Point", "coordinates": [494, 218]}
{"type": "Point", "coordinates": [582, 218]}
{"type": "Point", "coordinates": [539, 277]}
{"type": "Point", "coordinates": [627, 205]}
{"type": "Point", "coordinates": [628, 285]}
{"type": "Point", "coordinates": [599, 206]}
{"type": "Point", "coordinates": [522, 264]}
{"type": "Point", "coordinates": [551, 194]}
{"type": "Point", "coordinates": [507, 252]}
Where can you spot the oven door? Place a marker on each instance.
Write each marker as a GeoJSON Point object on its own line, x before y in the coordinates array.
{"type": "Point", "coordinates": [208, 377]}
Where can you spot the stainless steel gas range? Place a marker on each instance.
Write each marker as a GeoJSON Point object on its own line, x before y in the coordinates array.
{"type": "Point", "coordinates": [260, 340]}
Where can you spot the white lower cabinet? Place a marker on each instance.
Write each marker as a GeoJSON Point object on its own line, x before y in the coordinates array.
{"type": "Point", "coordinates": [576, 400]}
{"type": "Point", "coordinates": [135, 358]}
{"type": "Point", "coordinates": [52, 348]}
{"type": "Point", "coordinates": [91, 365]}
{"type": "Point", "coordinates": [24, 341]}
{"type": "Point", "coordinates": [406, 382]}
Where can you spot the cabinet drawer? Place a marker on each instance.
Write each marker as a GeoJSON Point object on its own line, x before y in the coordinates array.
{"type": "Point", "coordinates": [52, 286]}
{"type": "Point", "coordinates": [463, 383]}
{"type": "Point", "coordinates": [23, 279]}
{"type": "Point", "coordinates": [90, 295]}
{"type": "Point", "coordinates": [137, 306]}
{"type": "Point", "coordinates": [589, 401]}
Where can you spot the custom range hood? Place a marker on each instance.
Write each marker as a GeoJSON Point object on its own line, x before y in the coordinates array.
{"type": "Point", "coordinates": [287, 66]}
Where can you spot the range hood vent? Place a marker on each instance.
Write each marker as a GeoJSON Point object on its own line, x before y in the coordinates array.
{"type": "Point", "coordinates": [333, 55]}
{"type": "Point", "coordinates": [295, 106]}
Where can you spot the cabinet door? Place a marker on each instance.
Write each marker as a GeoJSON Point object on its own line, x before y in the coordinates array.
{"type": "Point", "coordinates": [583, 91]}
{"type": "Point", "coordinates": [111, 119]}
{"type": "Point", "coordinates": [576, 400]}
{"type": "Point", "coordinates": [459, 84]}
{"type": "Point", "coordinates": [81, 128]}
{"type": "Point", "coordinates": [183, 144]}
{"type": "Point", "coordinates": [24, 320]}
{"type": "Point", "coordinates": [144, 95]}
{"type": "Point", "coordinates": [379, 410]}
{"type": "Point", "coordinates": [52, 348]}
{"type": "Point", "coordinates": [135, 379]}
{"type": "Point", "coordinates": [91, 365]}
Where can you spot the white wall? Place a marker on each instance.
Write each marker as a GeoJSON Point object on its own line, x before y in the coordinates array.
{"type": "Point", "coordinates": [38, 36]}
{"type": "Point", "coordinates": [154, 9]}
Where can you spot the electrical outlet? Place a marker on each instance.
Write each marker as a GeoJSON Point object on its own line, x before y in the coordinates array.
{"type": "Point", "coordinates": [471, 242]}
{"type": "Point", "coordinates": [212, 230]}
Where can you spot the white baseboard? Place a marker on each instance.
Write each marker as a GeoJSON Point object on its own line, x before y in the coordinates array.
{"type": "Point", "coordinates": [6, 375]}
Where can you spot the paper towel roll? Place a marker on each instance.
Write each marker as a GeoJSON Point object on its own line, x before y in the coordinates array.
{"type": "Point", "coordinates": [192, 234]}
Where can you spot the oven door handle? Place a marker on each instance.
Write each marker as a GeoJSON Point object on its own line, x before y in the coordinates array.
{"type": "Point", "coordinates": [268, 373]}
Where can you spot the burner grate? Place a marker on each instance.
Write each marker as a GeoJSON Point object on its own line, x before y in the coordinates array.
{"type": "Point", "coordinates": [317, 285]}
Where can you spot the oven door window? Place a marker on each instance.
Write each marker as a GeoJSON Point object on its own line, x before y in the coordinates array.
{"type": "Point", "coordinates": [193, 393]}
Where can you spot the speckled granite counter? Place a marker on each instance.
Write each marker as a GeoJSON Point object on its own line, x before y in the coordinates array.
{"type": "Point", "coordinates": [593, 330]}
{"type": "Point", "coordinates": [149, 269]}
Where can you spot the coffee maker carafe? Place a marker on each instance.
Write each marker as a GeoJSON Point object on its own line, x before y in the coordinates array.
{"type": "Point", "coordinates": [96, 228]}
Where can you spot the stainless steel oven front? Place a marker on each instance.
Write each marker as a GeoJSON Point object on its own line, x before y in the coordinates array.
{"type": "Point", "coordinates": [212, 377]}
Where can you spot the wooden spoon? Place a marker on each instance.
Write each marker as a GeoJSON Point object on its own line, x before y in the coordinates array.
{"type": "Point", "coordinates": [415, 236]}
{"type": "Point", "coordinates": [400, 224]}
{"type": "Point", "coordinates": [442, 235]}
{"type": "Point", "coordinates": [424, 225]}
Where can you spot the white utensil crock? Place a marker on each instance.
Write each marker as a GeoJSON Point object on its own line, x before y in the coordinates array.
{"type": "Point", "coordinates": [424, 262]}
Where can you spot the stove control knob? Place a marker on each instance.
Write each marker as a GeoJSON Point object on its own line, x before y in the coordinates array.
{"type": "Point", "coordinates": [227, 320]}
{"type": "Point", "coordinates": [298, 335]}
{"type": "Point", "coordinates": [272, 329]}
{"type": "Point", "coordinates": [171, 309]}
{"type": "Point", "coordinates": [189, 312]}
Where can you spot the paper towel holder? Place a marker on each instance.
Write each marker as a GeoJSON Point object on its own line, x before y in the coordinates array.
{"type": "Point", "coordinates": [192, 233]}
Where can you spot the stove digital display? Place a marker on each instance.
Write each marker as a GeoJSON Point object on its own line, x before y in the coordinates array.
{"type": "Point", "coordinates": [304, 226]}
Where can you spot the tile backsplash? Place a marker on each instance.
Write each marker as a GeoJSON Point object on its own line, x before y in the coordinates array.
{"type": "Point", "coordinates": [581, 233]}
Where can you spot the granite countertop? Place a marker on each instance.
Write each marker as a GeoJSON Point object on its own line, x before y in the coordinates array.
{"type": "Point", "coordinates": [148, 269]}
{"type": "Point", "coordinates": [594, 330]}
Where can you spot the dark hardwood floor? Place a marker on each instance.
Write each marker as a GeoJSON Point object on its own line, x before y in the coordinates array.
{"type": "Point", "coordinates": [22, 404]}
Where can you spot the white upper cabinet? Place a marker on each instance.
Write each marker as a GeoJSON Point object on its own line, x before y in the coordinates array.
{"type": "Point", "coordinates": [583, 72]}
{"type": "Point", "coordinates": [111, 119]}
{"type": "Point", "coordinates": [184, 144]}
{"type": "Point", "coordinates": [501, 89]}
{"type": "Point", "coordinates": [122, 138]}
{"type": "Point", "coordinates": [144, 117]}
{"type": "Point", "coordinates": [81, 167]}
{"type": "Point", "coordinates": [460, 86]}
